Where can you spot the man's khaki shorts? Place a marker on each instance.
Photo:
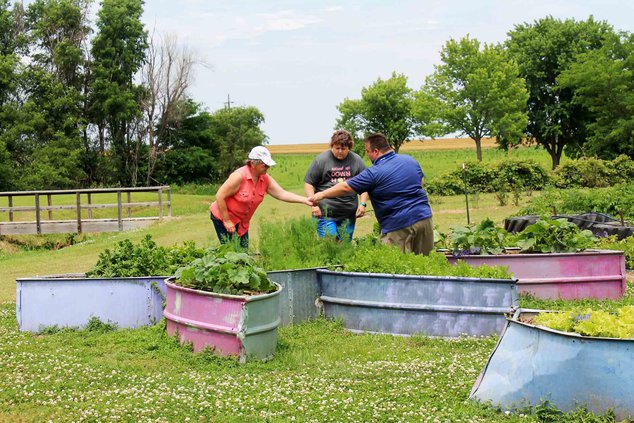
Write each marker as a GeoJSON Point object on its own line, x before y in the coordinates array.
{"type": "Point", "coordinates": [417, 238]}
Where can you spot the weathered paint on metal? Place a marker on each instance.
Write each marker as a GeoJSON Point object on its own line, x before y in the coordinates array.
{"type": "Point", "coordinates": [532, 364]}
{"type": "Point", "coordinates": [598, 274]}
{"type": "Point", "coordinates": [300, 292]}
{"type": "Point", "coordinates": [428, 305]}
{"type": "Point", "coordinates": [238, 325]}
{"type": "Point", "coordinates": [71, 300]}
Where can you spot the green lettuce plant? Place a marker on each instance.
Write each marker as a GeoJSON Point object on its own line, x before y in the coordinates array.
{"type": "Point", "coordinates": [590, 322]}
{"type": "Point", "coordinates": [224, 271]}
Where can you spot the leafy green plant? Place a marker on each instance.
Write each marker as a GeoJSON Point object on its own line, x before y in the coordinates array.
{"type": "Point", "coordinates": [143, 259]}
{"type": "Point", "coordinates": [554, 236]}
{"type": "Point", "coordinates": [591, 322]}
{"type": "Point", "coordinates": [294, 244]}
{"type": "Point", "coordinates": [225, 272]}
{"type": "Point", "coordinates": [626, 245]}
{"type": "Point", "coordinates": [485, 238]}
{"type": "Point", "coordinates": [372, 257]}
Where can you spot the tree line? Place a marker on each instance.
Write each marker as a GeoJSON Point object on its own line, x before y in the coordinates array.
{"type": "Point", "coordinates": [106, 104]}
{"type": "Point", "coordinates": [564, 85]}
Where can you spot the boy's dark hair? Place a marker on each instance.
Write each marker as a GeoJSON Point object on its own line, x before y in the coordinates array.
{"type": "Point", "coordinates": [378, 142]}
{"type": "Point", "coordinates": [343, 138]}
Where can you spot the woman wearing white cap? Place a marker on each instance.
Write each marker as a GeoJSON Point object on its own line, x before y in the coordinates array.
{"type": "Point", "coordinates": [241, 194]}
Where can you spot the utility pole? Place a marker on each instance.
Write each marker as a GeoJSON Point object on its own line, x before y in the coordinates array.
{"type": "Point", "coordinates": [228, 103]}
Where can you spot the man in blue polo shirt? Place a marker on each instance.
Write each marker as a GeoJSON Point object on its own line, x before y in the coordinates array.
{"type": "Point", "coordinates": [395, 185]}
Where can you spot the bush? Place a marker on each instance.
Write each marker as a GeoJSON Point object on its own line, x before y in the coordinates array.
{"type": "Point", "coordinates": [508, 176]}
{"type": "Point", "coordinates": [590, 172]}
{"type": "Point", "coordinates": [585, 172]}
{"type": "Point", "coordinates": [144, 259]}
{"type": "Point", "coordinates": [613, 200]}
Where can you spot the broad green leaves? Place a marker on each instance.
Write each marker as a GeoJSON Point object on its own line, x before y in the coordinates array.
{"type": "Point", "coordinates": [485, 238]}
{"type": "Point", "coordinates": [225, 272]}
{"type": "Point", "coordinates": [554, 236]}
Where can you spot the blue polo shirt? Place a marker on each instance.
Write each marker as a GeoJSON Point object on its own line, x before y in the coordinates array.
{"type": "Point", "coordinates": [394, 185]}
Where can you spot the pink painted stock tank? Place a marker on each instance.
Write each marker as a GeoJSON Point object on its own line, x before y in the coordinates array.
{"type": "Point", "coordinates": [598, 274]}
{"type": "Point", "coordinates": [231, 325]}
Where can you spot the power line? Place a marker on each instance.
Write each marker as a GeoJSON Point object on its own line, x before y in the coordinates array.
{"type": "Point", "coordinates": [228, 103]}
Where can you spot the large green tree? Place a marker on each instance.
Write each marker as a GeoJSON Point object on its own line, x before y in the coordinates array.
{"type": "Point", "coordinates": [118, 52]}
{"type": "Point", "coordinates": [51, 111]}
{"type": "Point", "coordinates": [544, 50]}
{"type": "Point", "coordinates": [385, 106]}
{"type": "Point", "coordinates": [10, 44]}
{"type": "Point", "coordinates": [603, 83]}
{"type": "Point", "coordinates": [191, 152]}
{"type": "Point", "coordinates": [476, 91]}
{"type": "Point", "coordinates": [236, 131]}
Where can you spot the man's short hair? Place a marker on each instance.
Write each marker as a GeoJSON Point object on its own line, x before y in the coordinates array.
{"type": "Point", "coordinates": [343, 138]}
{"type": "Point", "coordinates": [378, 142]}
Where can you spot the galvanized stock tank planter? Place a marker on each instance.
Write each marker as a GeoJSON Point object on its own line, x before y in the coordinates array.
{"type": "Point", "coordinates": [300, 290]}
{"type": "Point", "coordinates": [237, 325]}
{"type": "Point", "coordinates": [532, 364]}
{"type": "Point", "coordinates": [428, 305]}
{"type": "Point", "coordinates": [598, 274]}
{"type": "Point", "coordinates": [72, 300]}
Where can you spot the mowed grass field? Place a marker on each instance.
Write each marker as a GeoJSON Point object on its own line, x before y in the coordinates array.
{"type": "Point", "coordinates": [320, 372]}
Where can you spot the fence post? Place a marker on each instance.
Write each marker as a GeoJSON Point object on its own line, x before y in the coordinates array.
{"type": "Point", "coordinates": [50, 203]}
{"type": "Point", "coordinates": [119, 211]}
{"type": "Point", "coordinates": [169, 202]}
{"type": "Point", "coordinates": [129, 197]}
{"type": "Point", "coordinates": [160, 194]}
{"type": "Point", "coordinates": [10, 208]}
{"type": "Point", "coordinates": [38, 225]}
{"type": "Point", "coordinates": [89, 195]}
{"type": "Point", "coordinates": [78, 212]}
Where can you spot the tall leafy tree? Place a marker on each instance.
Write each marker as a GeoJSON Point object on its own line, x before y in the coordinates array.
{"type": "Point", "coordinates": [118, 52]}
{"type": "Point", "coordinates": [236, 131]}
{"type": "Point", "coordinates": [385, 106]}
{"type": "Point", "coordinates": [53, 81]}
{"type": "Point", "coordinates": [603, 83]}
{"type": "Point", "coordinates": [476, 91]}
{"type": "Point", "coordinates": [191, 152]}
{"type": "Point", "coordinates": [543, 50]}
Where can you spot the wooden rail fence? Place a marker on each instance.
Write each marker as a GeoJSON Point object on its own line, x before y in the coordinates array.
{"type": "Point", "coordinates": [83, 201]}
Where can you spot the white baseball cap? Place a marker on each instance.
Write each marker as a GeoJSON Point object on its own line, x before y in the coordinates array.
{"type": "Point", "coordinates": [261, 153]}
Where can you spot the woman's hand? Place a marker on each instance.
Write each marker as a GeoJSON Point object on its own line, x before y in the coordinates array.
{"type": "Point", "coordinates": [229, 226]}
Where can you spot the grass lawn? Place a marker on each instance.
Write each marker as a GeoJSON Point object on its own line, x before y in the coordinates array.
{"type": "Point", "coordinates": [320, 373]}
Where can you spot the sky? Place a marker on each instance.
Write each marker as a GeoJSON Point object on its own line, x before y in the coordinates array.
{"type": "Point", "coordinates": [297, 60]}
